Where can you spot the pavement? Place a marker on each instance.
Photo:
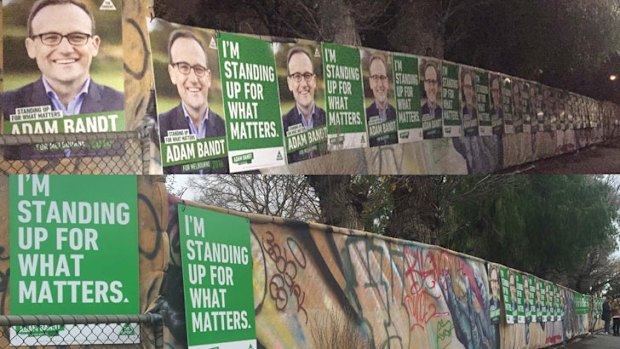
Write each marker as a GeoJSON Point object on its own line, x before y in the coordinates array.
{"type": "Point", "coordinates": [595, 341]}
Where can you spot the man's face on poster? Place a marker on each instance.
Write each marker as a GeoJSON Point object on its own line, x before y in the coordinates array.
{"type": "Point", "coordinates": [494, 283]}
{"type": "Point", "coordinates": [193, 88]}
{"type": "Point", "coordinates": [526, 289]}
{"type": "Point", "coordinates": [300, 68]}
{"type": "Point", "coordinates": [496, 92]}
{"type": "Point", "coordinates": [516, 94]}
{"type": "Point", "coordinates": [63, 63]}
{"type": "Point", "coordinates": [430, 84]}
{"type": "Point", "coordinates": [538, 293]}
{"type": "Point", "coordinates": [379, 82]}
{"type": "Point", "coordinates": [513, 288]}
{"type": "Point", "coordinates": [468, 89]}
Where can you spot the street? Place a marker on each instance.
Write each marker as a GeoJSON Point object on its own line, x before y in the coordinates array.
{"type": "Point", "coordinates": [596, 341]}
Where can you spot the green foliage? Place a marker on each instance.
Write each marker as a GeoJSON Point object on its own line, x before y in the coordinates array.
{"type": "Point", "coordinates": [545, 225]}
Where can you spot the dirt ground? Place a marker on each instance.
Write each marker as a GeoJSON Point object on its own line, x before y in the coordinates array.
{"type": "Point", "coordinates": [597, 159]}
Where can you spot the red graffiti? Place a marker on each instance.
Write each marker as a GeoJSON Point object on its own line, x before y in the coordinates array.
{"type": "Point", "coordinates": [423, 276]}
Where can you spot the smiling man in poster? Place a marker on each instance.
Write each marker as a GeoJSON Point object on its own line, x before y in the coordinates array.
{"type": "Point", "coordinates": [62, 40]}
{"type": "Point", "coordinates": [192, 118]}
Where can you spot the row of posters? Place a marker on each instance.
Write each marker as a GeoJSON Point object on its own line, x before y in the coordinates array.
{"type": "Point", "coordinates": [232, 103]}
{"type": "Point", "coordinates": [526, 298]}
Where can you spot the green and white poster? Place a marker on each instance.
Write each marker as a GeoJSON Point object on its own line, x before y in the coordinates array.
{"type": "Point", "coordinates": [469, 104]}
{"type": "Point", "coordinates": [526, 109]}
{"type": "Point", "coordinates": [432, 107]}
{"type": "Point", "coordinates": [251, 103]}
{"type": "Point", "coordinates": [63, 230]}
{"type": "Point", "coordinates": [379, 97]}
{"type": "Point", "coordinates": [530, 299]}
{"type": "Point", "coordinates": [483, 100]}
{"type": "Point", "coordinates": [189, 99]}
{"type": "Point", "coordinates": [497, 104]}
{"type": "Point", "coordinates": [408, 96]}
{"type": "Point", "coordinates": [509, 294]}
{"type": "Point", "coordinates": [550, 301]}
{"type": "Point", "coordinates": [520, 298]}
{"type": "Point", "coordinates": [217, 279]}
{"type": "Point", "coordinates": [543, 300]}
{"type": "Point", "coordinates": [302, 99]}
{"type": "Point", "coordinates": [517, 106]}
{"type": "Point", "coordinates": [451, 99]}
{"type": "Point", "coordinates": [509, 125]}
{"type": "Point", "coordinates": [344, 91]}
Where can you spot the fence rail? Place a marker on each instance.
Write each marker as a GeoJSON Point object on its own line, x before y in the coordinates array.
{"type": "Point", "coordinates": [82, 331]}
{"type": "Point", "coordinates": [93, 153]}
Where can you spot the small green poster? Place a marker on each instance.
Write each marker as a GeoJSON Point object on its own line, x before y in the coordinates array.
{"type": "Point", "coordinates": [484, 103]}
{"type": "Point", "coordinates": [63, 229]}
{"type": "Point", "coordinates": [344, 91]}
{"type": "Point", "coordinates": [550, 302]}
{"type": "Point", "coordinates": [217, 279]}
{"type": "Point", "coordinates": [469, 104]}
{"type": "Point", "coordinates": [451, 101]}
{"type": "Point", "coordinates": [530, 299]}
{"type": "Point", "coordinates": [251, 103]}
{"type": "Point", "coordinates": [543, 300]}
{"type": "Point", "coordinates": [407, 82]}
{"type": "Point", "coordinates": [509, 294]}
{"type": "Point", "coordinates": [520, 298]}
{"type": "Point", "coordinates": [497, 104]}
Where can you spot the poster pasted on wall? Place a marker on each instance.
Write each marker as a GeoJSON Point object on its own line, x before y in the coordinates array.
{"type": "Point", "coordinates": [62, 230]}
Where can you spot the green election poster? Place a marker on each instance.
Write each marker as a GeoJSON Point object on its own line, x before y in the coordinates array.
{"type": "Point", "coordinates": [483, 100]}
{"type": "Point", "coordinates": [251, 103]}
{"type": "Point", "coordinates": [526, 109]}
{"type": "Point", "coordinates": [517, 106]}
{"type": "Point", "coordinates": [408, 96]}
{"type": "Point", "coordinates": [495, 293]}
{"type": "Point", "coordinates": [217, 279]}
{"type": "Point", "coordinates": [497, 104]}
{"type": "Point", "coordinates": [451, 100]}
{"type": "Point", "coordinates": [380, 100]}
{"type": "Point", "coordinates": [530, 298]}
{"type": "Point", "coordinates": [300, 76]}
{"type": "Point", "coordinates": [543, 300]}
{"type": "Point", "coordinates": [432, 119]}
{"type": "Point", "coordinates": [520, 298]}
{"type": "Point", "coordinates": [189, 99]}
{"type": "Point", "coordinates": [509, 125]}
{"type": "Point", "coordinates": [63, 229]}
{"type": "Point", "coordinates": [344, 91]}
{"type": "Point", "coordinates": [509, 294]}
{"type": "Point", "coordinates": [537, 305]}
{"type": "Point", "coordinates": [550, 303]}
{"type": "Point", "coordinates": [469, 109]}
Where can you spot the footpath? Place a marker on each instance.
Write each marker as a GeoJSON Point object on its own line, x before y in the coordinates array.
{"type": "Point", "coordinates": [595, 341]}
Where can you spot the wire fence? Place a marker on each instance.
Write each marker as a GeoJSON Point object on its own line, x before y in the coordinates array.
{"type": "Point", "coordinates": [93, 153]}
{"type": "Point", "coordinates": [82, 331]}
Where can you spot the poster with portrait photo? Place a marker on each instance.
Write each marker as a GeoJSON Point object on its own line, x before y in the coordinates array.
{"type": "Point", "coordinates": [520, 297]}
{"type": "Point", "coordinates": [432, 106]}
{"type": "Point", "coordinates": [189, 99]}
{"type": "Point", "coordinates": [483, 99]}
{"type": "Point", "coordinates": [469, 104]}
{"type": "Point", "coordinates": [543, 300]}
{"type": "Point", "coordinates": [63, 68]}
{"type": "Point", "coordinates": [518, 119]}
{"type": "Point", "coordinates": [497, 103]}
{"type": "Point", "coordinates": [548, 104]}
{"type": "Point", "coordinates": [302, 99]}
{"type": "Point", "coordinates": [549, 301]}
{"type": "Point", "coordinates": [379, 97]}
{"type": "Point", "coordinates": [495, 298]}
{"type": "Point", "coordinates": [526, 108]}
{"type": "Point", "coordinates": [559, 109]}
{"type": "Point", "coordinates": [509, 127]}
{"type": "Point", "coordinates": [509, 294]}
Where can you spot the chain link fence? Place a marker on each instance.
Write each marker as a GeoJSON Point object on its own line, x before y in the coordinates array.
{"type": "Point", "coordinates": [93, 153]}
{"type": "Point", "coordinates": [95, 331]}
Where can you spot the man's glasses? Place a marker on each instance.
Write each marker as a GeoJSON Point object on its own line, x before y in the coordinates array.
{"type": "Point", "coordinates": [430, 82]}
{"type": "Point", "coordinates": [54, 39]}
{"type": "Point", "coordinates": [184, 68]}
{"type": "Point", "coordinates": [298, 76]}
{"type": "Point", "coordinates": [378, 77]}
